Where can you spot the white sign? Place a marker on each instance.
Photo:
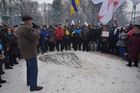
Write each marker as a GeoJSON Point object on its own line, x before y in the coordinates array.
{"type": "Point", "coordinates": [105, 34]}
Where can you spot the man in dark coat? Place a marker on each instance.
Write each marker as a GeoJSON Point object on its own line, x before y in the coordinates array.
{"type": "Point", "coordinates": [27, 40]}
{"type": "Point", "coordinates": [51, 40]}
{"type": "Point", "coordinates": [134, 47]}
{"type": "Point", "coordinates": [92, 37]}
{"type": "Point", "coordinates": [85, 39]}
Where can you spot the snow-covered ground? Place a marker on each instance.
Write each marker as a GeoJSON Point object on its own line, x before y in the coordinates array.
{"type": "Point", "coordinates": [97, 73]}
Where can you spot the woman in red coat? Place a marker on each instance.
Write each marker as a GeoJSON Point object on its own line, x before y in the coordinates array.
{"type": "Point", "coordinates": [134, 47]}
{"type": "Point", "coordinates": [59, 33]}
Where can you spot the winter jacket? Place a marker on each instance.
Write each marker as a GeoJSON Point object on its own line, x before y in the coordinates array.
{"type": "Point", "coordinates": [51, 36]}
{"type": "Point", "coordinates": [27, 40]}
{"type": "Point", "coordinates": [12, 40]}
{"type": "Point", "coordinates": [134, 46]}
{"type": "Point", "coordinates": [112, 38]}
{"type": "Point", "coordinates": [44, 35]}
{"type": "Point", "coordinates": [67, 34]}
{"type": "Point", "coordinates": [76, 34]}
{"type": "Point", "coordinates": [3, 39]}
{"type": "Point", "coordinates": [92, 35]}
{"type": "Point", "coordinates": [122, 41]}
{"type": "Point", "coordinates": [59, 33]}
{"type": "Point", "coordinates": [85, 34]}
{"type": "Point", "coordinates": [130, 33]}
{"type": "Point", "coordinates": [77, 31]}
{"type": "Point", "coordinates": [12, 43]}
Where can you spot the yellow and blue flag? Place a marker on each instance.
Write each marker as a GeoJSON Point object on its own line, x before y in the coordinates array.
{"type": "Point", "coordinates": [74, 6]}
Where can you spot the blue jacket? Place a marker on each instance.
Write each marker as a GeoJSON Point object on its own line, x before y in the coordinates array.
{"type": "Point", "coordinates": [44, 35]}
{"type": "Point", "coordinates": [77, 31]}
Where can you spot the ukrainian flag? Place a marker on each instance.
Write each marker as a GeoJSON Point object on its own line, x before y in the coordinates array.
{"type": "Point", "coordinates": [74, 6]}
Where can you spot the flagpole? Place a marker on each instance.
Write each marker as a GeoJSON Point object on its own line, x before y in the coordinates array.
{"type": "Point", "coordinates": [77, 15]}
{"type": "Point", "coordinates": [133, 15]}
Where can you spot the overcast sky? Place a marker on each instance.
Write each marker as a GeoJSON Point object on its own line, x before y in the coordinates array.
{"type": "Point", "coordinates": [129, 8]}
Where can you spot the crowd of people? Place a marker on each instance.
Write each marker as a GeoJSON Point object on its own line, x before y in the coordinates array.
{"type": "Point", "coordinates": [8, 49]}
{"type": "Point", "coordinates": [121, 41]}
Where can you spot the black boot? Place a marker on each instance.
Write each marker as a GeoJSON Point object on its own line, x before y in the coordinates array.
{"type": "Point", "coordinates": [36, 88]}
{"type": "Point", "coordinates": [2, 81]}
{"type": "Point", "coordinates": [11, 64]}
{"type": "Point", "coordinates": [129, 65]}
{"type": "Point", "coordinates": [2, 72]}
{"type": "Point", "coordinates": [16, 63]}
{"type": "Point", "coordinates": [8, 67]}
{"type": "Point", "coordinates": [136, 65]}
{"type": "Point", "coordinates": [0, 86]}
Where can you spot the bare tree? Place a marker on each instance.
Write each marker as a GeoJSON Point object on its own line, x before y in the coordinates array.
{"type": "Point", "coordinates": [57, 12]}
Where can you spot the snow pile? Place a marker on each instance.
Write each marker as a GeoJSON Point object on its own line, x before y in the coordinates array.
{"type": "Point", "coordinates": [99, 73]}
{"type": "Point", "coordinates": [62, 58]}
